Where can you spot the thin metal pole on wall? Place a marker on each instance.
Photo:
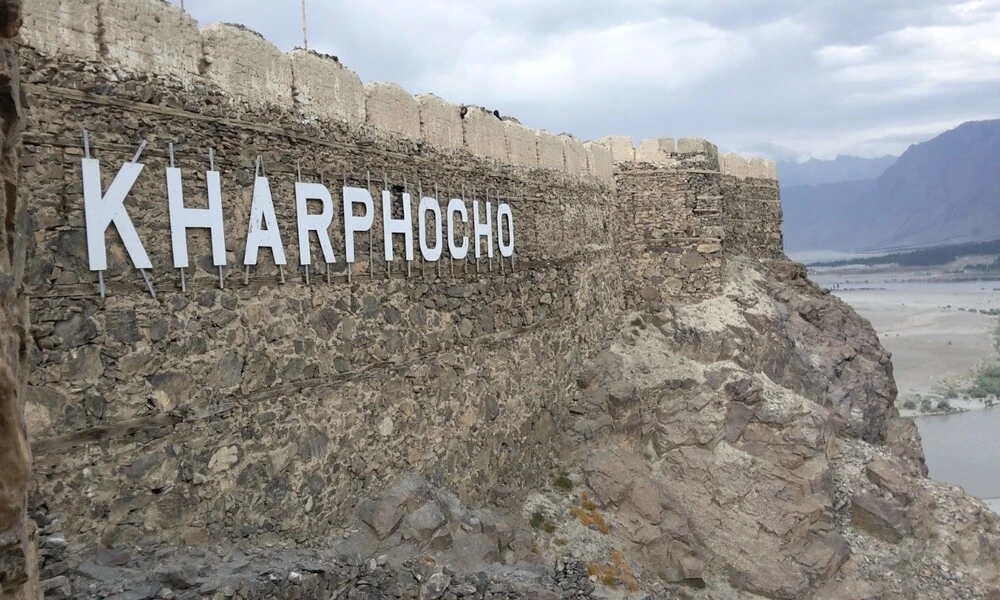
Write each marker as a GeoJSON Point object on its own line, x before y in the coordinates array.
{"type": "Point", "coordinates": [305, 39]}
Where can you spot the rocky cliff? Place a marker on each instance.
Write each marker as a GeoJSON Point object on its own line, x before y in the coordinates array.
{"type": "Point", "coordinates": [18, 577]}
{"type": "Point", "coordinates": [742, 447]}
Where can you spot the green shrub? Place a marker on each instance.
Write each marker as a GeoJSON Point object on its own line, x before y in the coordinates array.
{"type": "Point", "coordinates": [537, 520]}
{"type": "Point", "coordinates": [925, 404]}
{"type": "Point", "coordinates": [562, 482]}
{"type": "Point", "coordinates": [944, 405]}
{"type": "Point", "coordinates": [987, 382]}
{"type": "Point", "coordinates": [910, 404]}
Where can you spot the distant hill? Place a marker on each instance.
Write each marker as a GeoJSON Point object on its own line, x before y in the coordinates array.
{"type": "Point", "coordinates": [842, 168]}
{"type": "Point", "coordinates": [943, 190]}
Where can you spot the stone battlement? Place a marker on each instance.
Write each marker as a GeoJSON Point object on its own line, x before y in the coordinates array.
{"type": "Point", "coordinates": [151, 36]}
{"type": "Point", "coordinates": [663, 151]}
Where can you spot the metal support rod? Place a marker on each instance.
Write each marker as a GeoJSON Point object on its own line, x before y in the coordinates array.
{"type": "Point", "coordinates": [100, 274]}
{"type": "Point", "coordinates": [184, 286]}
{"type": "Point", "coordinates": [465, 226]}
{"type": "Point", "coordinates": [138, 152]}
{"type": "Point", "coordinates": [149, 284]}
{"type": "Point", "coordinates": [489, 252]}
{"type": "Point", "coordinates": [406, 190]}
{"type": "Point", "coordinates": [371, 237]}
{"type": "Point", "coordinates": [281, 272]}
{"type": "Point", "coordinates": [349, 264]}
{"type": "Point", "coordinates": [298, 178]}
{"type": "Point", "coordinates": [305, 39]}
{"type": "Point", "coordinates": [388, 263]}
{"type": "Point", "coordinates": [328, 272]}
{"type": "Point", "coordinates": [475, 238]}
{"type": "Point", "coordinates": [451, 257]}
{"type": "Point", "coordinates": [211, 159]}
{"type": "Point", "coordinates": [246, 275]}
{"type": "Point", "coordinates": [222, 281]}
{"type": "Point", "coordinates": [171, 155]}
{"type": "Point", "coordinates": [420, 198]}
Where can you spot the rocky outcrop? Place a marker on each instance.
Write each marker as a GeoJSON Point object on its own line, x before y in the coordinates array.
{"type": "Point", "coordinates": [17, 535]}
{"type": "Point", "coordinates": [768, 415]}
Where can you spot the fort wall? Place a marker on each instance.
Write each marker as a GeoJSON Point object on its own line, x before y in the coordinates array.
{"type": "Point", "coordinates": [751, 211]}
{"type": "Point", "coordinates": [264, 404]}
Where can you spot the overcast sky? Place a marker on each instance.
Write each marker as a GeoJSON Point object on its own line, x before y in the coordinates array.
{"type": "Point", "coordinates": [789, 78]}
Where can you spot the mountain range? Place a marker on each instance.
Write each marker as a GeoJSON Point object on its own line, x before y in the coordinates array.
{"type": "Point", "coordinates": [842, 168]}
{"type": "Point", "coordinates": [944, 190]}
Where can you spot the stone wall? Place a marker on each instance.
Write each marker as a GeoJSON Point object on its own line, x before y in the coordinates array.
{"type": "Point", "coordinates": [18, 543]}
{"type": "Point", "coordinates": [266, 408]}
{"type": "Point", "coordinates": [265, 404]}
{"type": "Point", "coordinates": [751, 212]}
{"type": "Point", "coordinates": [671, 191]}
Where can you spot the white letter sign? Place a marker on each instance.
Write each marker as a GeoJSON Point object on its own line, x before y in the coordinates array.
{"type": "Point", "coordinates": [182, 219]}
{"type": "Point", "coordinates": [429, 205]}
{"type": "Point", "coordinates": [483, 230]}
{"type": "Point", "coordinates": [268, 236]}
{"type": "Point", "coordinates": [457, 206]}
{"type": "Point", "coordinates": [503, 211]}
{"type": "Point", "coordinates": [319, 223]}
{"type": "Point", "coordinates": [101, 210]}
{"type": "Point", "coordinates": [352, 224]}
{"type": "Point", "coordinates": [391, 226]}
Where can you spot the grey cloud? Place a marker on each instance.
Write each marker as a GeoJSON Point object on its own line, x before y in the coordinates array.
{"type": "Point", "coordinates": [814, 78]}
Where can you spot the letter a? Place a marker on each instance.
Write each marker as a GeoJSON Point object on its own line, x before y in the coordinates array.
{"type": "Point", "coordinates": [267, 236]}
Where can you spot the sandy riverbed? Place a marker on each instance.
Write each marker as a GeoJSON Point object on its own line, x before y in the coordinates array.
{"type": "Point", "coordinates": [936, 347]}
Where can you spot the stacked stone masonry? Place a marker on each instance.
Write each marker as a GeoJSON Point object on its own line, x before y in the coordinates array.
{"type": "Point", "coordinates": [751, 208]}
{"type": "Point", "coordinates": [674, 199]}
{"type": "Point", "coordinates": [267, 408]}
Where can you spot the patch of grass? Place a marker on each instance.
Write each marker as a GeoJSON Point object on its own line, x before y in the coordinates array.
{"type": "Point", "coordinates": [549, 527]}
{"type": "Point", "coordinates": [638, 322]}
{"type": "Point", "coordinates": [616, 572]}
{"type": "Point", "coordinates": [944, 405]}
{"type": "Point", "coordinates": [537, 520]}
{"type": "Point", "coordinates": [909, 404]}
{"type": "Point", "coordinates": [588, 515]}
{"type": "Point", "coordinates": [563, 482]}
{"type": "Point", "coordinates": [926, 405]}
{"type": "Point", "coordinates": [561, 541]}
